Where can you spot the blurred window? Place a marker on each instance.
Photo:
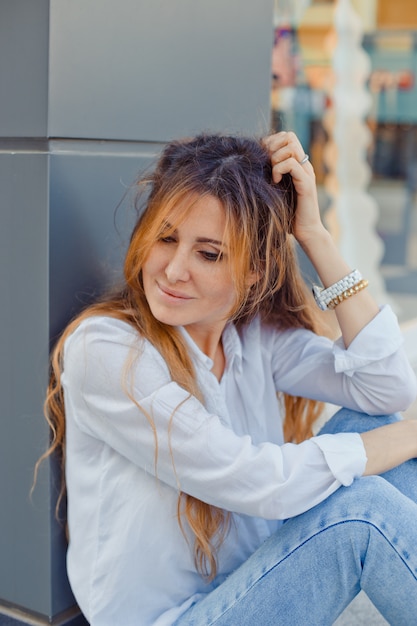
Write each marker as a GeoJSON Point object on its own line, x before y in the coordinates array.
{"type": "Point", "coordinates": [301, 95]}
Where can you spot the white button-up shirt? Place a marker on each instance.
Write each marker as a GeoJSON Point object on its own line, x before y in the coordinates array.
{"type": "Point", "coordinates": [128, 562]}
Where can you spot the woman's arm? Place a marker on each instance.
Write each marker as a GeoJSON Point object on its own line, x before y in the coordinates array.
{"type": "Point", "coordinates": [286, 153]}
{"type": "Point", "coordinates": [372, 376]}
{"type": "Point", "coordinates": [109, 412]}
{"type": "Point", "coordinates": [112, 413]}
{"type": "Point", "coordinates": [389, 446]}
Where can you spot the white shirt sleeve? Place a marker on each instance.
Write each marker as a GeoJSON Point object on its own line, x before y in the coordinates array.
{"type": "Point", "coordinates": [372, 375]}
{"type": "Point", "coordinates": [196, 453]}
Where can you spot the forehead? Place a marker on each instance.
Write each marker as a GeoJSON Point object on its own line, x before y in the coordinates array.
{"type": "Point", "coordinates": [203, 213]}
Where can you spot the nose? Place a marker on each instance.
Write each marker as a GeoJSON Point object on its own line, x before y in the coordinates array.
{"type": "Point", "coordinates": [177, 267]}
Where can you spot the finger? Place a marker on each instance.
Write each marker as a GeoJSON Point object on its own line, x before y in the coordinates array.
{"type": "Point", "coordinates": [284, 145]}
{"type": "Point", "coordinates": [272, 142]}
{"type": "Point", "coordinates": [288, 151]}
{"type": "Point", "coordinates": [275, 143]}
{"type": "Point", "coordinates": [300, 172]}
{"type": "Point", "coordinates": [277, 140]}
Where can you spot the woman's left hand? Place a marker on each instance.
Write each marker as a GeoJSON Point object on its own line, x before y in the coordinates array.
{"type": "Point", "coordinates": [287, 155]}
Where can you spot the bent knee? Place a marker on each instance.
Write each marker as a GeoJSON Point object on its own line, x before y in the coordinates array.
{"type": "Point", "coordinates": [349, 421]}
{"type": "Point", "coordinates": [369, 498]}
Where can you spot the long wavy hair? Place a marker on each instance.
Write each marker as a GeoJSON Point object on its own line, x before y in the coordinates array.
{"type": "Point", "coordinates": [259, 221]}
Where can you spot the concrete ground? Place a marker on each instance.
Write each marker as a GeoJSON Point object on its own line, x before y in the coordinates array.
{"type": "Point", "coordinates": [360, 612]}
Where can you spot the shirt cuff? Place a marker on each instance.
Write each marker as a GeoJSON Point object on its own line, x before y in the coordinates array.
{"type": "Point", "coordinates": [345, 455]}
{"type": "Point", "coordinates": [378, 340]}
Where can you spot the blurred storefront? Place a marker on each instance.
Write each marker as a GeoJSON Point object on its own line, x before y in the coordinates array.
{"type": "Point", "coordinates": [345, 79]}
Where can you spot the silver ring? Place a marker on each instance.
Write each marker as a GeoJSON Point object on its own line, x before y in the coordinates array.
{"type": "Point", "coordinates": [304, 159]}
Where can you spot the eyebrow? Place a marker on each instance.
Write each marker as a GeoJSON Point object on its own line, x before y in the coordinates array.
{"type": "Point", "coordinates": [215, 242]}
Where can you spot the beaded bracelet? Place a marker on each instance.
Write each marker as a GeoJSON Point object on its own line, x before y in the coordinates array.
{"type": "Point", "coordinates": [346, 294]}
{"type": "Point", "coordinates": [336, 293]}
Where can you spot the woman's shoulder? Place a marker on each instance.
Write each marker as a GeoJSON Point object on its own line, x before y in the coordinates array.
{"type": "Point", "coordinates": [105, 342]}
{"type": "Point", "coordinates": [103, 328]}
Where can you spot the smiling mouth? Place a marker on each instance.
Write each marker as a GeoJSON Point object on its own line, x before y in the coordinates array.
{"type": "Point", "coordinates": [173, 294]}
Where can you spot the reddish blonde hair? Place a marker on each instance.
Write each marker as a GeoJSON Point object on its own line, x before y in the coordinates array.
{"type": "Point", "coordinates": [259, 216]}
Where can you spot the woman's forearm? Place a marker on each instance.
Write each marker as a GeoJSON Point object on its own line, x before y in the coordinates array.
{"type": "Point", "coordinates": [355, 312]}
{"type": "Point", "coordinates": [287, 157]}
{"type": "Point", "coordinates": [389, 446]}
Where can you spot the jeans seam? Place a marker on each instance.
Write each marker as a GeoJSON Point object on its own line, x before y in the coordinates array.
{"type": "Point", "coordinates": [369, 523]}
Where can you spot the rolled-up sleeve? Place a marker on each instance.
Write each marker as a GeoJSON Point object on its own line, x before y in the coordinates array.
{"type": "Point", "coordinates": [380, 339]}
{"type": "Point", "coordinates": [345, 455]}
{"type": "Point", "coordinates": [372, 375]}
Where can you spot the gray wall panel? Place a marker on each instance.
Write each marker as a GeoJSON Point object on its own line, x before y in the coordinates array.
{"type": "Point", "coordinates": [24, 26]}
{"type": "Point", "coordinates": [88, 237]}
{"type": "Point", "coordinates": [25, 544]}
{"type": "Point", "coordinates": [155, 70]}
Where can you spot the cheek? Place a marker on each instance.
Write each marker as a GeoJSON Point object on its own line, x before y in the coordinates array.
{"type": "Point", "coordinates": [225, 292]}
{"type": "Point", "coordinates": [152, 263]}
{"type": "Point", "coordinates": [148, 273]}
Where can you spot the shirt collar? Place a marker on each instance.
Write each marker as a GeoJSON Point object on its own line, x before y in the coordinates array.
{"type": "Point", "coordinates": [195, 350]}
{"type": "Point", "coordinates": [232, 347]}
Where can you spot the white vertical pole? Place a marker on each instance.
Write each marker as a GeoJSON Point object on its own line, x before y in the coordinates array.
{"type": "Point", "coordinates": [356, 211]}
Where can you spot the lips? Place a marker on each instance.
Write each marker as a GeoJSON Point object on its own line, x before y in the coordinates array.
{"type": "Point", "coordinates": [171, 293]}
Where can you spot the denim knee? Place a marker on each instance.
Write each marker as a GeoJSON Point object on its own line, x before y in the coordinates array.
{"type": "Point", "coordinates": [348, 421]}
{"type": "Point", "coordinates": [367, 494]}
{"type": "Point", "coordinates": [362, 535]}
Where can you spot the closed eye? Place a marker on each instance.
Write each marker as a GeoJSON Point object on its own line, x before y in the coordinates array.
{"type": "Point", "coordinates": [211, 256]}
{"type": "Point", "coordinates": [168, 239]}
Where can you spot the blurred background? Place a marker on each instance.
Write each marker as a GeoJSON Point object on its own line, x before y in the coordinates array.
{"type": "Point", "coordinates": [379, 60]}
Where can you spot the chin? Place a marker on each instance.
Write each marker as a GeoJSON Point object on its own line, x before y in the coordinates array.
{"type": "Point", "coordinates": [167, 318]}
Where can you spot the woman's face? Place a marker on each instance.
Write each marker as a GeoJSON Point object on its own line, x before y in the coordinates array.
{"type": "Point", "coordinates": [187, 278]}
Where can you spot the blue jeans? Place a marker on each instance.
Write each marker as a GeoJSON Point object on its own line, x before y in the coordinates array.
{"type": "Point", "coordinates": [362, 537]}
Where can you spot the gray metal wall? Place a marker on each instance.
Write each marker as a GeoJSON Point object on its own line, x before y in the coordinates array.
{"type": "Point", "coordinates": [89, 90]}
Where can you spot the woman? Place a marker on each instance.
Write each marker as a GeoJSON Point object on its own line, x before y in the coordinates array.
{"type": "Point", "coordinates": [185, 506]}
